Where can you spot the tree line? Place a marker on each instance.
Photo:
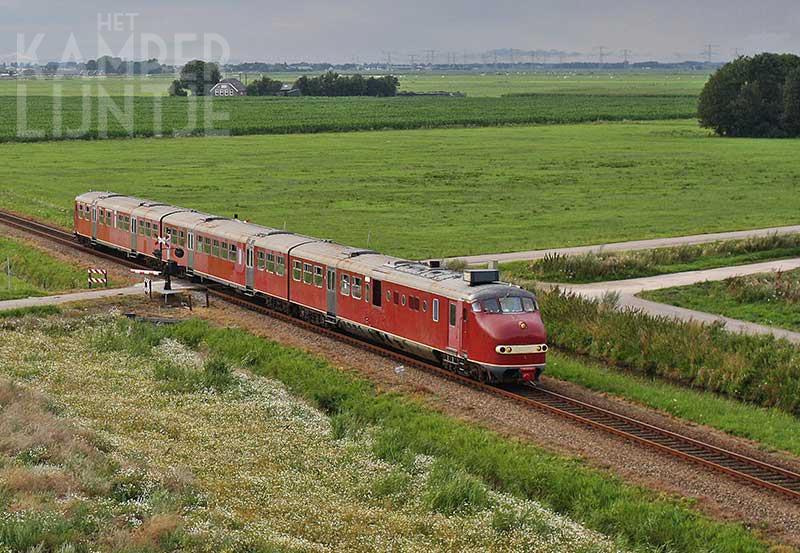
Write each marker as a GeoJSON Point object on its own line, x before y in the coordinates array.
{"type": "Point", "coordinates": [329, 84]}
{"type": "Point", "coordinates": [756, 97]}
{"type": "Point", "coordinates": [198, 78]}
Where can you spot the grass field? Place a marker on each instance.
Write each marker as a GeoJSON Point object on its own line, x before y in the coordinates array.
{"type": "Point", "coordinates": [771, 299]}
{"type": "Point", "coordinates": [608, 266]}
{"type": "Point", "coordinates": [34, 272]}
{"type": "Point", "coordinates": [49, 118]}
{"type": "Point", "coordinates": [772, 428]}
{"type": "Point", "coordinates": [438, 192]}
{"type": "Point", "coordinates": [490, 83]}
{"type": "Point", "coordinates": [331, 464]}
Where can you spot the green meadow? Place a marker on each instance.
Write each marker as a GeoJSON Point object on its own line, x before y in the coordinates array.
{"type": "Point", "coordinates": [441, 192]}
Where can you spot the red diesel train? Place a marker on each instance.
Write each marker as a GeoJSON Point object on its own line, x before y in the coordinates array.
{"type": "Point", "coordinates": [468, 322]}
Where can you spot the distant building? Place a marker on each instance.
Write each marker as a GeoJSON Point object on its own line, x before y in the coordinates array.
{"type": "Point", "coordinates": [229, 87]}
{"type": "Point", "coordinates": [288, 90]}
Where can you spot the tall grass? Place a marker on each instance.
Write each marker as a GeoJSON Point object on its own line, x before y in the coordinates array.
{"type": "Point", "coordinates": [758, 369]}
{"type": "Point", "coordinates": [63, 490]}
{"type": "Point", "coordinates": [597, 267]}
{"type": "Point", "coordinates": [36, 272]}
{"type": "Point", "coordinates": [473, 458]}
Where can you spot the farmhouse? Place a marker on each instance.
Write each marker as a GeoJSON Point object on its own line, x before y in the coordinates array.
{"type": "Point", "coordinates": [229, 87]}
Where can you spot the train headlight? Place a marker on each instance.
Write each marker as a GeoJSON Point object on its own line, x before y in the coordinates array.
{"type": "Point", "coordinates": [523, 325]}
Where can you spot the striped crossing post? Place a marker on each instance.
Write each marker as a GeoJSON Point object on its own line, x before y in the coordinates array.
{"type": "Point", "coordinates": [98, 276]}
{"type": "Point", "coordinates": [148, 281]}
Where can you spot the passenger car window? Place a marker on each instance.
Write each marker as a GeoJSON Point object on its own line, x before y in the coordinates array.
{"type": "Point", "coordinates": [452, 314]}
{"type": "Point", "coordinates": [281, 266]}
{"type": "Point", "coordinates": [318, 278]}
{"type": "Point", "coordinates": [436, 311]}
{"type": "Point", "coordinates": [297, 271]}
{"type": "Point", "coordinates": [357, 288]}
{"type": "Point", "coordinates": [345, 285]}
{"type": "Point", "coordinates": [271, 262]}
{"type": "Point", "coordinates": [307, 274]}
{"type": "Point", "coordinates": [529, 305]}
{"type": "Point", "coordinates": [261, 263]}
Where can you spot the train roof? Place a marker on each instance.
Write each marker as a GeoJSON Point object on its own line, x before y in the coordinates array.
{"type": "Point", "coordinates": [412, 274]}
{"type": "Point", "coordinates": [329, 253]}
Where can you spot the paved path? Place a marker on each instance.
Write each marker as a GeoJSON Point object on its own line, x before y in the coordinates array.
{"type": "Point", "coordinates": [138, 289]}
{"type": "Point", "coordinates": [636, 285]}
{"type": "Point", "coordinates": [630, 246]}
{"type": "Point", "coordinates": [629, 288]}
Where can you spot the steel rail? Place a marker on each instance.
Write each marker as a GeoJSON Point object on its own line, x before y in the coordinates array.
{"type": "Point", "coordinates": [740, 467]}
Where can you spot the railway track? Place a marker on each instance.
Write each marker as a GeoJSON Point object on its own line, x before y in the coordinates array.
{"type": "Point", "coordinates": [740, 467]}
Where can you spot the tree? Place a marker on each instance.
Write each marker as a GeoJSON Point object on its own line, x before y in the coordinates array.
{"type": "Point", "coordinates": [264, 87]}
{"type": "Point", "coordinates": [333, 84]}
{"type": "Point", "coordinates": [176, 89]}
{"type": "Point", "coordinates": [791, 103]}
{"type": "Point", "coordinates": [747, 97]}
{"type": "Point", "coordinates": [199, 77]}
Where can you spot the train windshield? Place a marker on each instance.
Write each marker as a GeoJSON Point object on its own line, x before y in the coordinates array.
{"type": "Point", "coordinates": [511, 304]}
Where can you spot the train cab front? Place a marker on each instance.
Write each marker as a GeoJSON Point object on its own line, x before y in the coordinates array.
{"type": "Point", "coordinates": [508, 339]}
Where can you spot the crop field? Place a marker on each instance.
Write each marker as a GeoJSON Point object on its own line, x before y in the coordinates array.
{"type": "Point", "coordinates": [491, 83]}
{"type": "Point", "coordinates": [34, 272]}
{"type": "Point", "coordinates": [771, 299]}
{"type": "Point", "coordinates": [330, 465]}
{"type": "Point", "coordinates": [48, 118]}
{"type": "Point", "coordinates": [437, 192]}
{"type": "Point", "coordinates": [558, 82]}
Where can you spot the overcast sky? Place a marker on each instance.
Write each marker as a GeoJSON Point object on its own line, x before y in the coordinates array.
{"type": "Point", "coordinates": [347, 30]}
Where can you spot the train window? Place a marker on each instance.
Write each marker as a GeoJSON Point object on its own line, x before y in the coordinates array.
{"type": "Point", "coordinates": [223, 251]}
{"type": "Point", "coordinates": [377, 293]}
{"type": "Point", "coordinates": [491, 305]}
{"type": "Point", "coordinates": [345, 285]}
{"type": "Point", "coordinates": [452, 314]}
{"type": "Point", "coordinates": [94, 214]}
{"type": "Point", "coordinates": [388, 295]}
{"type": "Point", "coordinates": [366, 292]}
{"type": "Point", "coordinates": [261, 263]}
{"type": "Point", "coordinates": [436, 311]}
{"type": "Point", "coordinates": [190, 243]}
{"type": "Point", "coordinates": [108, 218]}
{"type": "Point", "coordinates": [297, 271]}
{"type": "Point", "coordinates": [181, 238]}
{"type": "Point", "coordinates": [249, 258]}
{"type": "Point", "coordinates": [232, 253]}
{"type": "Point", "coordinates": [281, 267]}
{"type": "Point", "coordinates": [308, 276]}
{"type": "Point", "coordinates": [318, 278]}
{"type": "Point", "coordinates": [476, 307]}
{"type": "Point", "coordinates": [207, 248]}
{"type": "Point", "coordinates": [271, 262]}
{"type": "Point", "coordinates": [397, 297]}
{"type": "Point", "coordinates": [149, 229]}
{"type": "Point", "coordinates": [102, 220]}
{"type": "Point", "coordinates": [413, 303]}
{"type": "Point", "coordinates": [357, 288]}
{"type": "Point", "coordinates": [511, 305]}
{"type": "Point", "coordinates": [424, 306]}
{"type": "Point", "coordinates": [403, 299]}
{"type": "Point", "coordinates": [215, 248]}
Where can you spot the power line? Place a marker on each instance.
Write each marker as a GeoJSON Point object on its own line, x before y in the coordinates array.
{"type": "Point", "coordinates": [710, 53]}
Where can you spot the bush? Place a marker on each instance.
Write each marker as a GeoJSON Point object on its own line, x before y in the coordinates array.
{"type": "Point", "coordinates": [759, 369]}
{"type": "Point", "coordinates": [753, 97]}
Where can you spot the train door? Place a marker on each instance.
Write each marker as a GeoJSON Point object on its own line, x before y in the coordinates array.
{"type": "Point", "coordinates": [454, 328]}
{"type": "Point", "coordinates": [190, 251]}
{"type": "Point", "coordinates": [330, 287]}
{"type": "Point", "coordinates": [250, 274]}
{"type": "Point", "coordinates": [94, 221]}
{"type": "Point", "coordinates": [133, 234]}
